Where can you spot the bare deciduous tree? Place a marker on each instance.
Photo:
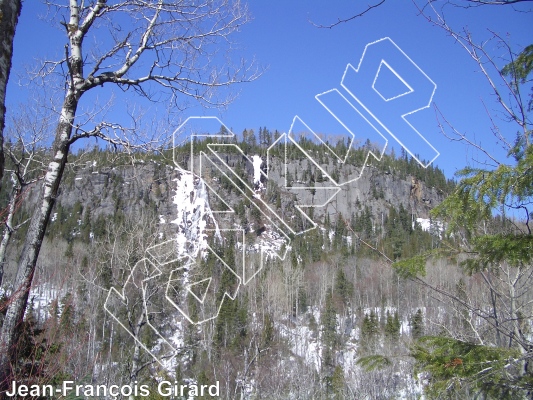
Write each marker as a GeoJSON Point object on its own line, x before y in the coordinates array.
{"type": "Point", "coordinates": [495, 251]}
{"type": "Point", "coordinates": [170, 48]}
{"type": "Point", "coordinates": [457, 3]}
{"type": "Point", "coordinates": [25, 152]}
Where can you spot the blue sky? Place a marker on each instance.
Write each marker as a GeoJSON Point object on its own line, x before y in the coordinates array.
{"type": "Point", "coordinates": [303, 60]}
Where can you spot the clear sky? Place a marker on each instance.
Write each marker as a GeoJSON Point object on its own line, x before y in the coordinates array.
{"type": "Point", "coordinates": [303, 60]}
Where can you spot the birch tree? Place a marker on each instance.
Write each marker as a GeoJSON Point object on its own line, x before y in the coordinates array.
{"type": "Point", "coordinates": [169, 48]}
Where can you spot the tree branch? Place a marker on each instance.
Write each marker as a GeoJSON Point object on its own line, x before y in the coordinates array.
{"type": "Point", "coordinates": [342, 21]}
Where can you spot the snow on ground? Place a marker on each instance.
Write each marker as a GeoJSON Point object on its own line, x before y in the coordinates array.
{"type": "Point", "coordinates": [270, 242]}
{"type": "Point", "coordinates": [304, 342]}
{"type": "Point", "coordinates": [429, 225]}
{"type": "Point", "coordinates": [41, 296]}
{"type": "Point", "coordinates": [257, 162]}
{"type": "Point", "coordinates": [194, 212]}
{"type": "Point", "coordinates": [307, 344]}
{"type": "Point", "coordinates": [177, 341]}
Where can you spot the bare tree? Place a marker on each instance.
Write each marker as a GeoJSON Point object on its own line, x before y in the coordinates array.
{"type": "Point", "coordinates": [352, 17]}
{"type": "Point", "coordinates": [25, 153]}
{"type": "Point", "coordinates": [458, 3]}
{"type": "Point", "coordinates": [122, 244]}
{"type": "Point", "coordinates": [9, 14]}
{"type": "Point", "coordinates": [495, 313]}
{"type": "Point", "coordinates": [170, 47]}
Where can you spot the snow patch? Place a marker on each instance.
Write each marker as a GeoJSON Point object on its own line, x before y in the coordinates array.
{"type": "Point", "coordinates": [432, 226]}
{"type": "Point", "coordinates": [270, 242]}
{"type": "Point", "coordinates": [194, 212]}
{"type": "Point", "coordinates": [257, 163]}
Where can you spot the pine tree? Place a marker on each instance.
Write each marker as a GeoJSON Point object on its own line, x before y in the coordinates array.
{"type": "Point", "coordinates": [488, 245]}
{"type": "Point", "coordinates": [417, 324]}
{"type": "Point", "coordinates": [343, 287]}
{"type": "Point", "coordinates": [328, 321]}
{"type": "Point", "coordinates": [337, 383]}
{"type": "Point", "coordinates": [370, 332]}
{"type": "Point", "coordinates": [392, 326]}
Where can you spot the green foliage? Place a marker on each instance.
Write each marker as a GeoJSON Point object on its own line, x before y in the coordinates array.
{"type": "Point", "coordinates": [231, 324]}
{"type": "Point", "coordinates": [392, 326]}
{"type": "Point", "coordinates": [522, 66]}
{"type": "Point", "coordinates": [337, 382]}
{"type": "Point", "coordinates": [330, 337]}
{"type": "Point", "coordinates": [491, 244]}
{"type": "Point", "coordinates": [482, 191]}
{"type": "Point", "coordinates": [402, 237]}
{"type": "Point", "coordinates": [370, 333]}
{"type": "Point", "coordinates": [370, 326]}
{"type": "Point", "coordinates": [68, 313]}
{"type": "Point", "coordinates": [490, 250]}
{"type": "Point", "coordinates": [343, 286]}
{"type": "Point", "coordinates": [411, 267]}
{"type": "Point", "coordinates": [373, 362]}
{"type": "Point", "coordinates": [45, 348]}
{"type": "Point", "coordinates": [268, 331]}
{"type": "Point", "coordinates": [464, 370]}
{"type": "Point", "coordinates": [329, 322]}
{"type": "Point", "coordinates": [417, 324]}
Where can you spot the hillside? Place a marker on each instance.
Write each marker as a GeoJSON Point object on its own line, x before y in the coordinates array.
{"type": "Point", "coordinates": [306, 307]}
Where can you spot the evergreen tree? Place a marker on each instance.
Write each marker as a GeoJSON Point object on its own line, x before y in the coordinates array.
{"type": "Point", "coordinates": [370, 331]}
{"type": "Point", "coordinates": [343, 287]}
{"type": "Point", "coordinates": [489, 247]}
{"type": "Point", "coordinates": [328, 321]}
{"type": "Point", "coordinates": [337, 383]}
{"type": "Point", "coordinates": [417, 324]}
{"type": "Point", "coordinates": [392, 326]}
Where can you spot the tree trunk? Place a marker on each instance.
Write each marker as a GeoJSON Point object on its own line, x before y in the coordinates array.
{"type": "Point", "coordinates": [34, 238]}
{"type": "Point", "coordinates": [8, 230]}
{"type": "Point", "coordinates": [32, 245]}
{"type": "Point", "coordinates": [9, 15]}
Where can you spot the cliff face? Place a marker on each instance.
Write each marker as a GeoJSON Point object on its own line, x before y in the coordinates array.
{"type": "Point", "coordinates": [129, 188]}
{"type": "Point", "coordinates": [174, 203]}
{"type": "Point", "coordinates": [133, 188]}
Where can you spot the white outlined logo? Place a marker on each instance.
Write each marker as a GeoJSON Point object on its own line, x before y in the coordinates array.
{"type": "Point", "coordinates": [177, 266]}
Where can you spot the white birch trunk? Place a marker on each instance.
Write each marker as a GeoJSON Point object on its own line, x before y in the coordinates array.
{"type": "Point", "coordinates": [32, 245]}
{"type": "Point", "coordinates": [8, 230]}
{"type": "Point", "coordinates": [30, 251]}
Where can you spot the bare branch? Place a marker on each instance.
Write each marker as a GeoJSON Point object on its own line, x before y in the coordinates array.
{"type": "Point", "coordinates": [341, 21]}
{"type": "Point", "coordinates": [459, 136]}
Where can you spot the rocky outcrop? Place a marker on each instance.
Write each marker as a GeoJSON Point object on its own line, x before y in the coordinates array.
{"type": "Point", "coordinates": [132, 188]}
